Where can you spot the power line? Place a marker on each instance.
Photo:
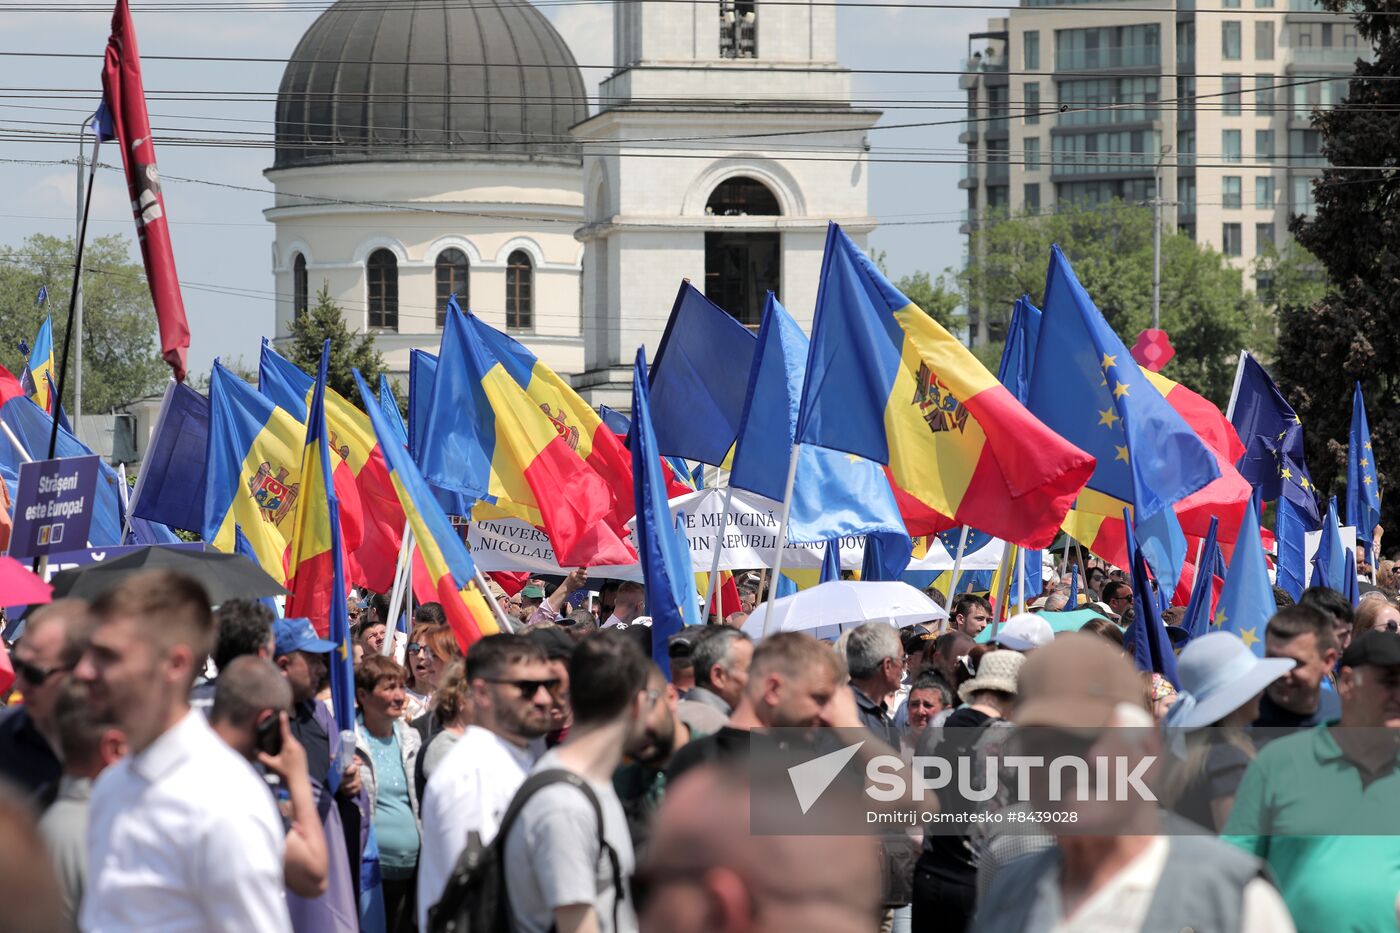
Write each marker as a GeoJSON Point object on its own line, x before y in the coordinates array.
{"type": "Point", "coordinates": [376, 6]}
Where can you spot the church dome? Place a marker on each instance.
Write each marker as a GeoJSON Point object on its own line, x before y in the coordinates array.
{"type": "Point", "coordinates": [424, 80]}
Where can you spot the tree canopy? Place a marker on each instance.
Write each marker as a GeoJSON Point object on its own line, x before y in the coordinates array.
{"type": "Point", "coordinates": [349, 350]}
{"type": "Point", "coordinates": [1349, 334]}
{"type": "Point", "coordinates": [1205, 308]}
{"type": "Point", "coordinates": [121, 358]}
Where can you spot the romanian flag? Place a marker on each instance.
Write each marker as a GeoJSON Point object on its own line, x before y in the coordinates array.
{"type": "Point", "coordinates": [888, 383]}
{"type": "Point", "coordinates": [449, 568]}
{"type": "Point", "coordinates": [487, 438]}
{"type": "Point", "coordinates": [254, 471]}
{"type": "Point", "coordinates": [316, 577]}
{"type": "Point", "coordinates": [574, 420]}
{"type": "Point", "coordinates": [37, 376]}
{"type": "Point", "coordinates": [373, 520]}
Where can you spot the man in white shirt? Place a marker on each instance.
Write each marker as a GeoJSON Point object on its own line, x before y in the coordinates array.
{"type": "Point", "coordinates": [627, 605]}
{"type": "Point", "coordinates": [470, 789]}
{"type": "Point", "coordinates": [183, 834]}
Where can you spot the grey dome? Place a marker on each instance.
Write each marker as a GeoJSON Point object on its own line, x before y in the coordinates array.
{"type": "Point", "coordinates": [414, 80]}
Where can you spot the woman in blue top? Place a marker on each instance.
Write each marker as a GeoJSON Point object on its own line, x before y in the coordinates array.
{"type": "Point", "coordinates": [389, 747]}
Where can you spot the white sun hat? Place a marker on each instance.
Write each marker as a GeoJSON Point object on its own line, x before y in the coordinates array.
{"type": "Point", "coordinates": [1219, 674]}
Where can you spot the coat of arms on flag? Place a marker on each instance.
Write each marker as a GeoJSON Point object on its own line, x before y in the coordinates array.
{"type": "Point", "coordinates": [273, 495]}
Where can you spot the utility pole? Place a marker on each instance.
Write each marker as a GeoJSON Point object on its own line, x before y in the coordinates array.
{"type": "Point", "coordinates": [1157, 203]}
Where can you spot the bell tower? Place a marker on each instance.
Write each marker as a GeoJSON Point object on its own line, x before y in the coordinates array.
{"type": "Point", "coordinates": [724, 142]}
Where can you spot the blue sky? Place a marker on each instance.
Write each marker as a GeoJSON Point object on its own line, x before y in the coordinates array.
{"type": "Point", "coordinates": [223, 246]}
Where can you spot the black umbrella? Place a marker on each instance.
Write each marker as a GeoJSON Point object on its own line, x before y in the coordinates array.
{"type": "Point", "coordinates": [224, 576]}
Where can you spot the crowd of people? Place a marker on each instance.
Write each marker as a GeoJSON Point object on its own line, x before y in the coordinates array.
{"type": "Point", "coordinates": [181, 768]}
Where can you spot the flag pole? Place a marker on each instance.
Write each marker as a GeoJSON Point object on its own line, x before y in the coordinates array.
{"type": "Point", "coordinates": [78, 288]}
{"type": "Point", "coordinates": [73, 293]}
{"type": "Point", "coordinates": [1021, 578]}
{"type": "Point", "coordinates": [712, 585]}
{"type": "Point", "coordinates": [781, 542]}
{"type": "Point", "coordinates": [126, 502]}
{"type": "Point", "coordinates": [957, 565]}
{"type": "Point", "coordinates": [391, 624]}
{"type": "Point", "coordinates": [1008, 564]}
{"type": "Point", "coordinates": [501, 618]}
{"type": "Point", "coordinates": [1235, 389]}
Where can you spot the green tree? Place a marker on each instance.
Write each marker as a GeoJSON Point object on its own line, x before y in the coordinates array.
{"type": "Point", "coordinates": [936, 296]}
{"type": "Point", "coordinates": [1349, 334]}
{"type": "Point", "coordinates": [1205, 308]}
{"type": "Point", "coordinates": [121, 358]}
{"type": "Point", "coordinates": [349, 350]}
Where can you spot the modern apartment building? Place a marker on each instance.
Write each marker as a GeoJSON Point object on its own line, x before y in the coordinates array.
{"type": "Point", "coordinates": [1090, 101]}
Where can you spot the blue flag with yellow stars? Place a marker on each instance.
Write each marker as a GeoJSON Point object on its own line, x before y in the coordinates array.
{"type": "Point", "coordinates": [1363, 490]}
{"type": "Point", "coordinates": [1247, 598]}
{"type": "Point", "coordinates": [1272, 434]}
{"type": "Point", "coordinates": [1086, 387]}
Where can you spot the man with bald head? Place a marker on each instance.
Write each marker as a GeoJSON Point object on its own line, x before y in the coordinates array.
{"type": "Point", "coordinates": [43, 659]}
{"type": "Point", "coordinates": [706, 872]}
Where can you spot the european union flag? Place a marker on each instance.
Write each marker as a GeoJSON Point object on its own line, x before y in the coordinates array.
{"type": "Point", "coordinates": [1363, 488]}
{"type": "Point", "coordinates": [662, 546]}
{"type": "Point", "coordinates": [1247, 598]}
{"type": "Point", "coordinates": [1209, 568]}
{"type": "Point", "coordinates": [834, 494]}
{"type": "Point", "coordinates": [696, 401]}
{"type": "Point", "coordinates": [1146, 638]}
{"type": "Point", "coordinates": [1272, 434]}
{"type": "Point", "coordinates": [1018, 356]}
{"type": "Point", "coordinates": [1086, 387]}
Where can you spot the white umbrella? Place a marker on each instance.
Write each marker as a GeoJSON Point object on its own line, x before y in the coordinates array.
{"type": "Point", "coordinates": [841, 604]}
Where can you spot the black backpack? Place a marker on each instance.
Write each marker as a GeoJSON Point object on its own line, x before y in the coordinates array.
{"type": "Point", "coordinates": [475, 899]}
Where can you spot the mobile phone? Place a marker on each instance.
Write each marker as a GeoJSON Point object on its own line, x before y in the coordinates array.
{"type": "Point", "coordinates": [269, 735]}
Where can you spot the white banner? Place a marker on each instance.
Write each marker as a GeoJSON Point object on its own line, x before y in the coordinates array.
{"type": "Point", "coordinates": [746, 531]}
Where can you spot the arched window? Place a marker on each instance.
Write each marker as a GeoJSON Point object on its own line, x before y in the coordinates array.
{"type": "Point", "coordinates": [742, 266]}
{"type": "Point", "coordinates": [452, 279]}
{"type": "Point", "coordinates": [742, 197]}
{"type": "Point", "coordinates": [382, 271]}
{"type": "Point", "coordinates": [299, 295]}
{"type": "Point", "coordinates": [520, 291]}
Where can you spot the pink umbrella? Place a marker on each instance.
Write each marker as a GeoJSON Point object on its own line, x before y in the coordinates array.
{"type": "Point", "coordinates": [19, 587]}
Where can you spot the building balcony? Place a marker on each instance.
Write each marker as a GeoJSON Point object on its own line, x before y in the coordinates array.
{"type": "Point", "coordinates": [1333, 58]}
{"type": "Point", "coordinates": [968, 137]}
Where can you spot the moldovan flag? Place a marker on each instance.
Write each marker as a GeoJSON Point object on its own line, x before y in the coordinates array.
{"type": "Point", "coordinates": [254, 471]}
{"type": "Point", "coordinates": [888, 383]}
{"type": "Point", "coordinates": [574, 420]}
{"type": "Point", "coordinates": [35, 377]}
{"type": "Point", "coordinates": [445, 558]}
{"type": "Point", "coordinates": [371, 515]}
{"type": "Point", "coordinates": [487, 439]}
{"type": "Point", "coordinates": [123, 117]}
{"type": "Point", "coordinates": [315, 562]}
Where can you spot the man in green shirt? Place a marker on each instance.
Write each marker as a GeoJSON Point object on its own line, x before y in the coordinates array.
{"type": "Point", "coordinates": [1322, 807]}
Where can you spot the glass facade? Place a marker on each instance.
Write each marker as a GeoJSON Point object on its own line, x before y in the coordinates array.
{"type": "Point", "coordinates": [1031, 45]}
{"type": "Point", "coordinates": [1263, 237]}
{"type": "Point", "coordinates": [1030, 196]}
{"type": "Point", "coordinates": [1132, 100]}
{"type": "Point", "coordinates": [1032, 102]}
{"type": "Point", "coordinates": [1108, 47]}
{"type": "Point", "coordinates": [1100, 192]}
{"type": "Point", "coordinates": [1264, 40]}
{"type": "Point", "coordinates": [1305, 148]}
{"type": "Point", "coordinates": [1032, 160]}
{"type": "Point", "coordinates": [1264, 93]}
{"type": "Point", "coordinates": [1264, 145]}
{"type": "Point", "coordinates": [1302, 201]}
{"type": "Point", "coordinates": [1096, 153]}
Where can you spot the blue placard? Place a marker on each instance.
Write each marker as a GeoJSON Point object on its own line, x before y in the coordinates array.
{"type": "Point", "coordinates": [53, 505]}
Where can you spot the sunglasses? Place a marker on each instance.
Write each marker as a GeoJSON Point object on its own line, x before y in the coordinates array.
{"type": "Point", "coordinates": [34, 674]}
{"type": "Point", "coordinates": [528, 688]}
{"type": "Point", "coordinates": [414, 647]}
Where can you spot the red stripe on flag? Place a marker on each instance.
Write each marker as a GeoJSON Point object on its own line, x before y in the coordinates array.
{"type": "Point", "coordinates": [467, 629]}
{"type": "Point", "coordinates": [310, 590]}
{"type": "Point", "coordinates": [1047, 482]}
{"type": "Point", "coordinates": [382, 519]}
{"type": "Point", "coordinates": [570, 497]}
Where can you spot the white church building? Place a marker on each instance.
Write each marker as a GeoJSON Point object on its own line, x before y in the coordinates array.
{"type": "Point", "coordinates": [426, 149]}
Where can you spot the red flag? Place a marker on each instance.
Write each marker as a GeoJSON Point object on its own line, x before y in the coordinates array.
{"type": "Point", "coordinates": [125, 120]}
